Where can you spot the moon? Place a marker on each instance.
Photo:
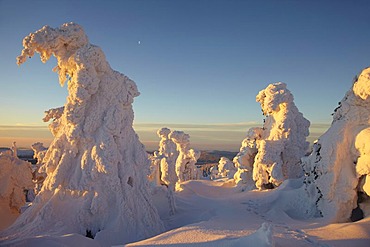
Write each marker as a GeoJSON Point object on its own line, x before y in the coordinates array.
{"type": "Point", "coordinates": [139, 42]}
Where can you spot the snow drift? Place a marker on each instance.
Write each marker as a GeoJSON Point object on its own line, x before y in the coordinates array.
{"type": "Point", "coordinates": [96, 167]}
{"type": "Point", "coordinates": [276, 149]}
{"type": "Point", "coordinates": [338, 168]}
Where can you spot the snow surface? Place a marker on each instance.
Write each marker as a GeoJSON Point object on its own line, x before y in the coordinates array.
{"type": "Point", "coordinates": [96, 167]}
{"type": "Point", "coordinates": [213, 213]}
{"type": "Point", "coordinates": [339, 166]}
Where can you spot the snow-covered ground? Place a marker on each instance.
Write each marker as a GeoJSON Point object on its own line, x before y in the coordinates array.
{"type": "Point", "coordinates": [214, 213]}
{"type": "Point", "coordinates": [211, 213]}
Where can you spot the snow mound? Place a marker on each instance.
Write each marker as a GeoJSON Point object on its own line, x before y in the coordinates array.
{"type": "Point", "coordinates": [338, 169]}
{"type": "Point", "coordinates": [272, 153]}
{"type": "Point", "coordinates": [263, 237]}
{"type": "Point", "coordinates": [96, 167]}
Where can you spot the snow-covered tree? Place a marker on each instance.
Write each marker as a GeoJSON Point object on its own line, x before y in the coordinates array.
{"type": "Point", "coordinates": [226, 168]}
{"type": "Point", "coordinates": [272, 153]}
{"type": "Point", "coordinates": [338, 169]}
{"type": "Point", "coordinates": [283, 140]}
{"type": "Point", "coordinates": [155, 167]}
{"type": "Point", "coordinates": [39, 152]}
{"type": "Point", "coordinates": [244, 160]}
{"type": "Point", "coordinates": [168, 155]}
{"type": "Point", "coordinates": [96, 167]}
{"type": "Point", "coordinates": [185, 162]}
{"type": "Point", "coordinates": [15, 180]}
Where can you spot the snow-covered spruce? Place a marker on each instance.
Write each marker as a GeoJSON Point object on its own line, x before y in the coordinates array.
{"type": "Point", "coordinates": [283, 141]}
{"type": "Point", "coordinates": [272, 153]}
{"type": "Point", "coordinates": [226, 168]}
{"type": "Point", "coordinates": [96, 167]}
{"type": "Point", "coordinates": [15, 180]}
{"type": "Point", "coordinates": [39, 152]}
{"type": "Point", "coordinates": [338, 168]}
{"type": "Point", "coordinates": [185, 162]}
{"type": "Point", "coordinates": [164, 161]}
{"type": "Point", "coordinates": [244, 160]}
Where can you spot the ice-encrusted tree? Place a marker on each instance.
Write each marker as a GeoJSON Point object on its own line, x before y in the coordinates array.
{"type": "Point", "coordinates": [15, 179]}
{"type": "Point", "coordinates": [185, 162]}
{"type": "Point", "coordinates": [244, 160]}
{"type": "Point", "coordinates": [272, 153]}
{"type": "Point", "coordinates": [163, 172]}
{"type": "Point", "coordinates": [155, 167]}
{"type": "Point", "coordinates": [39, 152]}
{"type": "Point", "coordinates": [96, 167]}
{"type": "Point", "coordinates": [283, 140]}
{"type": "Point", "coordinates": [226, 168]}
{"type": "Point", "coordinates": [168, 153]}
{"type": "Point", "coordinates": [338, 169]}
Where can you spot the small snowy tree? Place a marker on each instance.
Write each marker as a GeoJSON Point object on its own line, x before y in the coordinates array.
{"type": "Point", "coordinates": [39, 152]}
{"type": "Point", "coordinates": [185, 162]}
{"type": "Point", "coordinates": [226, 168]}
{"type": "Point", "coordinates": [155, 166]}
{"type": "Point", "coordinates": [15, 180]}
{"type": "Point", "coordinates": [168, 155]}
{"type": "Point", "coordinates": [96, 167]}
{"type": "Point", "coordinates": [244, 160]}
{"type": "Point", "coordinates": [338, 169]}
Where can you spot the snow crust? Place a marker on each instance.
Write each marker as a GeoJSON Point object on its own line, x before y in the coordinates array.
{"type": "Point", "coordinates": [338, 167]}
{"type": "Point", "coordinates": [271, 154]}
{"type": "Point", "coordinates": [96, 167]}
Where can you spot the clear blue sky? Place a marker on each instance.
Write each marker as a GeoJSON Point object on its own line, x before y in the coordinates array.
{"type": "Point", "coordinates": [198, 62]}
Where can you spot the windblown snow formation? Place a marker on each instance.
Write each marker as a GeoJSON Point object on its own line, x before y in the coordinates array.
{"type": "Point", "coordinates": [274, 150]}
{"type": "Point", "coordinates": [96, 167]}
{"type": "Point", "coordinates": [338, 169]}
